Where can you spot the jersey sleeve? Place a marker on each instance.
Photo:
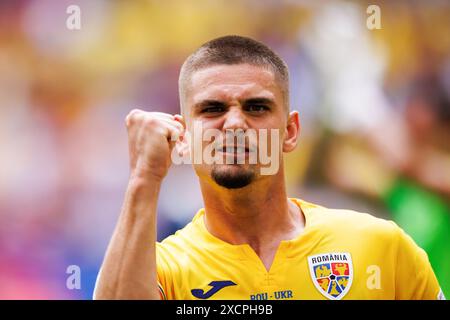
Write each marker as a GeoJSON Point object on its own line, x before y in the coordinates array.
{"type": "Point", "coordinates": [415, 278]}
{"type": "Point", "coordinates": [168, 272]}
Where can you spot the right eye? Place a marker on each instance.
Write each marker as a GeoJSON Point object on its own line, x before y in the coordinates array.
{"type": "Point", "coordinates": [213, 109]}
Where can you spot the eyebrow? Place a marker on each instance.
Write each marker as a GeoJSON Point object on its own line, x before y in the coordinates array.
{"type": "Point", "coordinates": [209, 102]}
{"type": "Point", "coordinates": [213, 102]}
{"type": "Point", "coordinates": [259, 101]}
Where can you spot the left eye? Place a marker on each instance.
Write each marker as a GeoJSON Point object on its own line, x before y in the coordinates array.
{"type": "Point", "coordinates": [257, 108]}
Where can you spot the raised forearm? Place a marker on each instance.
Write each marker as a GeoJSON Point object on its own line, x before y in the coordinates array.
{"type": "Point", "coordinates": [129, 266]}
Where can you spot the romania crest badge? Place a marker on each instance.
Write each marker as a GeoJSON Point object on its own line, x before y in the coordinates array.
{"type": "Point", "coordinates": [331, 273]}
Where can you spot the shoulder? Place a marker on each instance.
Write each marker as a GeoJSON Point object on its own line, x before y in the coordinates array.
{"type": "Point", "coordinates": [350, 223]}
{"type": "Point", "coordinates": [184, 239]}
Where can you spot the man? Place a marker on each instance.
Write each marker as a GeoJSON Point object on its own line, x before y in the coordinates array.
{"type": "Point", "coordinates": [250, 241]}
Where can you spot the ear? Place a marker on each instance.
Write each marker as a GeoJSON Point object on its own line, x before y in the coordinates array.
{"type": "Point", "coordinates": [292, 132]}
{"type": "Point", "coordinates": [182, 145]}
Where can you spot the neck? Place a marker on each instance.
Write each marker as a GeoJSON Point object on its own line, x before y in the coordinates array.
{"type": "Point", "coordinates": [259, 214]}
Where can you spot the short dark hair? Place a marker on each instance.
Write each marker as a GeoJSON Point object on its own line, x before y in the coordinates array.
{"type": "Point", "coordinates": [234, 49]}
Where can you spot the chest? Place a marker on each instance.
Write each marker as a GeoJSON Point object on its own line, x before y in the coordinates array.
{"type": "Point", "coordinates": [329, 275]}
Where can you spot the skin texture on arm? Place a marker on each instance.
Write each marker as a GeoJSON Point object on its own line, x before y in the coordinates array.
{"type": "Point", "coordinates": [129, 267]}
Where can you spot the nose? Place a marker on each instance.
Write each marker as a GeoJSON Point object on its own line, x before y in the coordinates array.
{"type": "Point", "coordinates": [235, 119]}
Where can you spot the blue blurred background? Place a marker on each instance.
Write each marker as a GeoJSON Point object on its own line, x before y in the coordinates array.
{"type": "Point", "coordinates": [374, 106]}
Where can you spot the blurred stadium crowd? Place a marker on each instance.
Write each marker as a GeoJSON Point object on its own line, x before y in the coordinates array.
{"type": "Point", "coordinates": [374, 107]}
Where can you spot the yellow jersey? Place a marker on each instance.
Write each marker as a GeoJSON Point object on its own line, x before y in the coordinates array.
{"type": "Point", "coordinates": [341, 254]}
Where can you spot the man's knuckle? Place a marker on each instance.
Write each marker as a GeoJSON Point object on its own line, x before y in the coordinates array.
{"type": "Point", "coordinates": [132, 117]}
{"type": "Point", "coordinates": [150, 121]}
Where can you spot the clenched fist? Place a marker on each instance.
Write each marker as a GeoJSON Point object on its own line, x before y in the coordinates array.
{"type": "Point", "coordinates": [151, 138]}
